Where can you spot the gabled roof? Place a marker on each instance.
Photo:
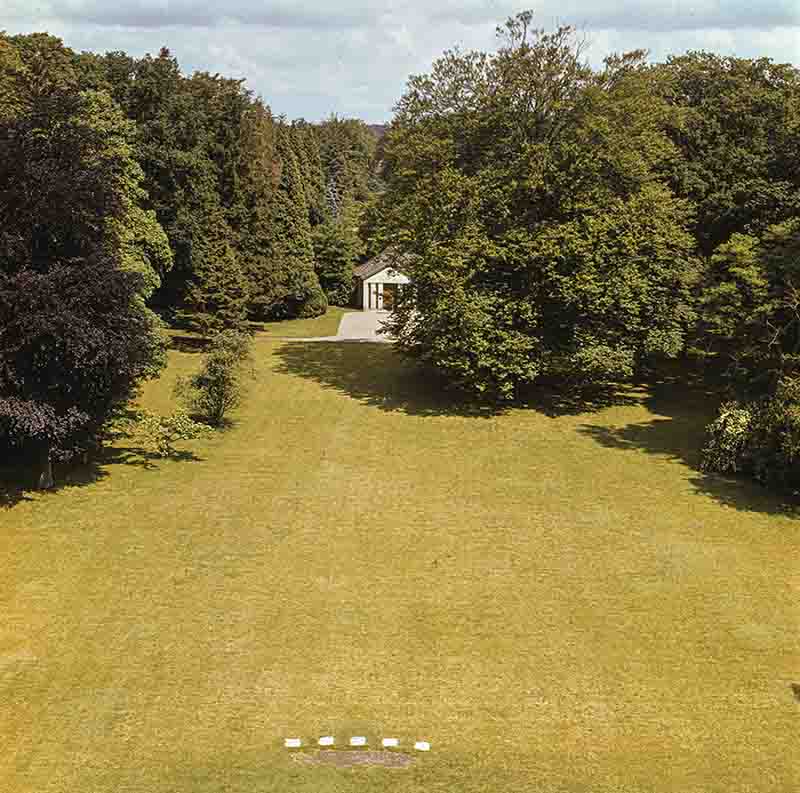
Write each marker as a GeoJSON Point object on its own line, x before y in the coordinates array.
{"type": "Point", "coordinates": [391, 257]}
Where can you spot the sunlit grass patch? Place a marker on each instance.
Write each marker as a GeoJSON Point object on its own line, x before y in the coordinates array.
{"type": "Point", "coordinates": [556, 600]}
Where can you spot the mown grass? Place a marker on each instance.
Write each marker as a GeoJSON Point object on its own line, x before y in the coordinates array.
{"type": "Point", "coordinates": [557, 600]}
{"type": "Point", "coordinates": [184, 339]}
{"type": "Point", "coordinates": [326, 325]}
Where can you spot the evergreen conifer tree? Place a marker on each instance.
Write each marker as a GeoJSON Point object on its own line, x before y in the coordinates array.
{"type": "Point", "coordinates": [218, 292]}
{"type": "Point", "coordinates": [251, 216]}
{"type": "Point", "coordinates": [306, 146]}
{"type": "Point", "coordinates": [337, 249]}
{"type": "Point", "coordinates": [291, 288]}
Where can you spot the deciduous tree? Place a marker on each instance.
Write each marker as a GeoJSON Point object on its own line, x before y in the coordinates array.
{"type": "Point", "coordinates": [78, 256]}
{"type": "Point", "coordinates": [735, 127]}
{"type": "Point", "coordinates": [543, 243]}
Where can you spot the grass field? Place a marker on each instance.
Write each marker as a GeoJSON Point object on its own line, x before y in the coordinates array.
{"type": "Point", "coordinates": [557, 602]}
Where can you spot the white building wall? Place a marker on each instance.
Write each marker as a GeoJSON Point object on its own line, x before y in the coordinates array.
{"type": "Point", "coordinates": [385, 276]}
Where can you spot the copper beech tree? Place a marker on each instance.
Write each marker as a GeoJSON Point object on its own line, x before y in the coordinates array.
{"type": "Point", "coordinates": [78, 259]}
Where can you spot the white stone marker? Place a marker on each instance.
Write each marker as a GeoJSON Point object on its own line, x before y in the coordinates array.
{"type": "Point", "coordinates": [390, 742]}
{"type": "Point", "coordinates": [422, 746]}
{"type": "Point", "coordinates": [292, 743]}
{"type": "Point", "coordinates": [358, 740]}
{"type": "Point", "coordinates": [326, 741]}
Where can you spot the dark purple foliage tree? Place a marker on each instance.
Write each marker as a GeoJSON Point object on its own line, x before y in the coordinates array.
{"type": "Point", "coordinates": [75, 334]}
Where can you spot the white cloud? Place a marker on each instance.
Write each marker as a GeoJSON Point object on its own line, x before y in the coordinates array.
{"type": "Point", "coordinates": [312, 57]}
{"type": "Point", "coordinates": [670, 15]}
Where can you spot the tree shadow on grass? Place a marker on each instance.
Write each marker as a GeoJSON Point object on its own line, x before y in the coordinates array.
{"type": "Point", "coordinates": [11, 492]}
{"type": "Point", "coordinates": [19, 482]}
{"type": "Point", "coordinates": [139, 458]}
{"type": "Point", "coordinates": [677, 432]}
{"type": "Point", "coordinates": [189, 344]}
{"type": "Point", "coordinates": [377, 375]}
{"type": "Point", "coordinates": [557, 400]}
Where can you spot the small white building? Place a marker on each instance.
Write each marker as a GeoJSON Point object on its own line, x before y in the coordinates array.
{"type": "Point", "coordinates": [380, 281]}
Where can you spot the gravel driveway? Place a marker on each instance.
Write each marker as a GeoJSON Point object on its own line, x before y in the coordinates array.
{"type": "Point", "coordinates": [362, 325]}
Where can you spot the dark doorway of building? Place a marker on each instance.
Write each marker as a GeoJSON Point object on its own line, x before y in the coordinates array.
{"type": "Point", "coordinates": [390, 294]}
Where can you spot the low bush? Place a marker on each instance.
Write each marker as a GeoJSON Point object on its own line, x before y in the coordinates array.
{"type": "Point", "coordinates": [729, 437]}
{"type": "Point", "coordinates": [218, 388]}
{"type": "Point", "coordinates": [315, 306]}
{"type": "Point", "coordinates": [157, 435]}
{"type": "Point", "coordinates": [761, 438]}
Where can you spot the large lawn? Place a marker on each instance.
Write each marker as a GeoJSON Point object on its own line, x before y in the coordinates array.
{"type": "Point", "coordinates": [555, 602]}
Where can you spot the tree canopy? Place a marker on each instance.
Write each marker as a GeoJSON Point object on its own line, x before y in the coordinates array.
{"type": "Point", "coordinates": [543, 243]}
{"type": "Point", "coordinates": [559, 223]}
{"type": "Point", "coordinates": [79, 256]}
{"type": "Point", "coordinates": [735, 124]}
{"type": "Point", "coordinates": [237, 190]}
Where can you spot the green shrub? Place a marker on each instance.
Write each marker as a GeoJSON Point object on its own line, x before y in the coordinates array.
{"type": "Point", "coordinates": [761, 438]}
{"type": "Point", "coordinates": [218, 388]}
{"type": "Point", "coordinates": [342, 293]}
{"type": "Point", "coordinates": [157, 435]}
{"type": "Point", "coordinates": [315, 306]}
{"type": "Point", "coordinates": [775, 446]}
{"type": "Point", "coordinates": [729, 436]}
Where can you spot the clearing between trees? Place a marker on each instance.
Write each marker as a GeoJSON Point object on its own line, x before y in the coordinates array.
{"type": "Point", "coordinates": [557, 600]}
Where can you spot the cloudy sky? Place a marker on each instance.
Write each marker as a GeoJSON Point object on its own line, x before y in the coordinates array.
{"type": "Point", "coordinates": [310, 58]}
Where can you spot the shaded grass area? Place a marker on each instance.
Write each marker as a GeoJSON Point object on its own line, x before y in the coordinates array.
{"type": "Point", "coordinates": [676, 432]}
{"type": "Point", "coordinates": [18, 485]}
{"type": "Point", "coordinates": [378, 376]}
{"type": "Point", "coordinates": [556, 599]}
{"type": "Point", "coordinates": [678, 412]}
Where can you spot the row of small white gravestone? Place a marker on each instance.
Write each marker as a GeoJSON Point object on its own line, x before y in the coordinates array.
{"type": "Point", "coordinates": [357, 740]}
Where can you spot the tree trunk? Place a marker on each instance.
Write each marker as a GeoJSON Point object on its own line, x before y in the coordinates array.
{"type": "Point", "coordinates": [46, 480]}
